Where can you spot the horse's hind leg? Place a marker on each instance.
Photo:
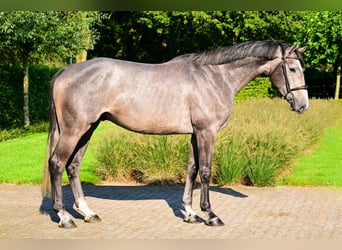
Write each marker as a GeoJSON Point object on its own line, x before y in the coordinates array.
{"type": "Point", "coordinates": [58, 161]}
{"type": "Point", "coordinates": [73, 171]}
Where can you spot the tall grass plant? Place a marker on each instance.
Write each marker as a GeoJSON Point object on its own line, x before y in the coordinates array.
{"type": "Point", "coordinates": [264, 139]}
{"type": "Point", "coordinates": [123, 155]}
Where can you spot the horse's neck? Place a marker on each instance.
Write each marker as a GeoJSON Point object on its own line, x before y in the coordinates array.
{"type": "Point", "coordinates": [239, 74]}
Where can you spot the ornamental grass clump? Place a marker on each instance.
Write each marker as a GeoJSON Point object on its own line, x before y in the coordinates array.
{"type": "Point", "coordinates": [263, 139]}
{"type": "Point", "coordinates": [123, 155]}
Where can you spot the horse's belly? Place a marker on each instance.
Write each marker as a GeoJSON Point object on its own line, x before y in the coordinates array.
{"type": "Point", "coordinates": [150, 122]}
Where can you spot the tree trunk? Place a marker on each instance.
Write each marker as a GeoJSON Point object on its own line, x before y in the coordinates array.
{"type": "Point", "coordinates": [81, 56]}
{"type": "Point", "coordinates": [338, 82]}
{"type": "Point", "coordinates": [26, 95]}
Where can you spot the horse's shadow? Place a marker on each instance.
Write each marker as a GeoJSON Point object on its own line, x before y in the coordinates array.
{"type": "Point", "coordinates": [171, 194]}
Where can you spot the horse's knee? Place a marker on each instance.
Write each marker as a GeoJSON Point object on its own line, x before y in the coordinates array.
{"type": "Point", "coordinates": [205, 174]}
{"type": "Point", "coordinates": [56, 167]}
{"type": "Point", "coordinates": [73, 169]}
{"type": "Point", "coordinates": [192, 171]}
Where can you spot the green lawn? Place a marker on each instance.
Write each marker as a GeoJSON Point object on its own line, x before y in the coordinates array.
{"type": "Point", "coordinates": [22, 161]}
{"type": "Point", "coordinates": [324, 166]}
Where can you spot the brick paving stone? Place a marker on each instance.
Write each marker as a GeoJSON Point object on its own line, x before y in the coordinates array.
{"type": "Point", "coordinates": [153, 212]}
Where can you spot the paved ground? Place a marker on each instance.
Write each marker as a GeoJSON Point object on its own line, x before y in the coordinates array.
{"type": "Point", "coordinates": [153, 212]}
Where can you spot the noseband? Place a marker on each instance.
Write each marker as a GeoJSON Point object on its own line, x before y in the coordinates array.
{"type": "Point", "coordinates": [289, 95]}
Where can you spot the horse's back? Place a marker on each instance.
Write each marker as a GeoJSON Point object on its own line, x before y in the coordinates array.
{"type": "Point", "coordinates": [147, 98]}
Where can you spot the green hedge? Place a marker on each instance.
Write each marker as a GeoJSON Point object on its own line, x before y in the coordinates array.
{"type": "Point", "coordinates": [260, 87]}
{"type": "Point", "coordinates": [11, 100]}
{"type": "Point", "coordinates": [40, 77]}
{"type": "Point", "coordinates": [11, 94]}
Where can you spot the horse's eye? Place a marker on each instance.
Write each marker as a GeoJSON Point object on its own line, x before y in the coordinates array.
{"type": "Point", "coordinates": [293, 70]}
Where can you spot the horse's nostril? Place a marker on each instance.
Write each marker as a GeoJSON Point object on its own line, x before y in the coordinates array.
{"type": "Point", "coordinates": [302, 109]}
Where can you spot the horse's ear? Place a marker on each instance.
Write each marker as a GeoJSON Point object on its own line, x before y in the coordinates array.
{"type": "Point", "coordinates": [301, 50]}
{"type": "Point", "coordinates": [292, 48]}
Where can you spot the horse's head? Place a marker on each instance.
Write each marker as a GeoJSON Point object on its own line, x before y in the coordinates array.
{"type": "Point", "coordinates": [288, 77]}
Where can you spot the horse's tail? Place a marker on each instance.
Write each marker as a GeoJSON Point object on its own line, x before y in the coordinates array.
{"type": "Point", "coordinates": [51, 144]}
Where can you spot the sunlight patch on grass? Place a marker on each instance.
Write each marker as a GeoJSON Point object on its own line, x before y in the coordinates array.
{"type": "Point", "coordinates": [324, 166]}
{"type": "Point", "coordinates": [22, 161]}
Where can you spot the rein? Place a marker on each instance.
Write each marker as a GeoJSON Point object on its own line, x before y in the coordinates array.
{"type": "Point", "coordinates": [287, 83]}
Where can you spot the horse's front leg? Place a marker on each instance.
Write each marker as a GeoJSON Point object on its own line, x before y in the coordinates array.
{"type": "Point", "coordinates": [206, 142]}
{"type": "Point", "coordinates": [190, 215]}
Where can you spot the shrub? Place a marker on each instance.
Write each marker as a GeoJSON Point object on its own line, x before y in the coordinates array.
{"type": "Point", "coordinates": [123, 155]}
{"type": "Point", "coordinates": [11, 102]}
{"type": "Point", "coordinates": [40, 77]}
{"type": "Point", "coordinates": [160, 158]}
{"type": "Point", "coordinates": [260, 87]}
{"type": "Point", "coordinates": [8, 134]}
{"type": "Point", "coordinates": [263, 139]}
{"type": "Point", "coordinates": [113, 154]}
{"type": "Point", "coordinates": [11, 97]}
{"type": "Point", "coordinates": [257, 153]}
{"type": "Point", "coordinates": [229, 161]}
{"type": "Point", "coordinates": [266, 155]}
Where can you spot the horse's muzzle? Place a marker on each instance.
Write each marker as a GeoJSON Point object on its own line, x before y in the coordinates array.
{"type": "Point", "coordinates": [295, 105]}
{"type": "Point", "coordinates": [297, 108]}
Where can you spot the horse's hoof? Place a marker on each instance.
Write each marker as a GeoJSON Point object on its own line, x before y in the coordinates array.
{"type": "Point", "coordinates": [93, 219]}
{"type": "Point", "coordinates": [214, 222]}
{"type": "Point", "coordinates": [192, 219]}
{"type": "Point", "coordinates": [67, 224]}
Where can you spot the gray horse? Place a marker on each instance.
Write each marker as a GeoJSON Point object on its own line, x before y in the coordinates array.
{"type": "Point", "coordinates": [190, 94]}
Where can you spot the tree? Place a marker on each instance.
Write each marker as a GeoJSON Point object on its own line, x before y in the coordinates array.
{"type": "Point", "coordinates": [322, 34]}
{"type": "Point", "coordinates": [156, 36]}
{"type": "Point", "coordinates": [29, 37]}
{"type": "Point", "coordinates": [265, 25]}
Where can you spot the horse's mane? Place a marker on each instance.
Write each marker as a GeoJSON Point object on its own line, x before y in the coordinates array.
{"type": "Point", "coordinates": [260, 49]}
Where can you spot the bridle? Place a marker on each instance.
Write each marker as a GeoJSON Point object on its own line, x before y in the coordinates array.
{"type": "Point", "coordinates": [289, 95]}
